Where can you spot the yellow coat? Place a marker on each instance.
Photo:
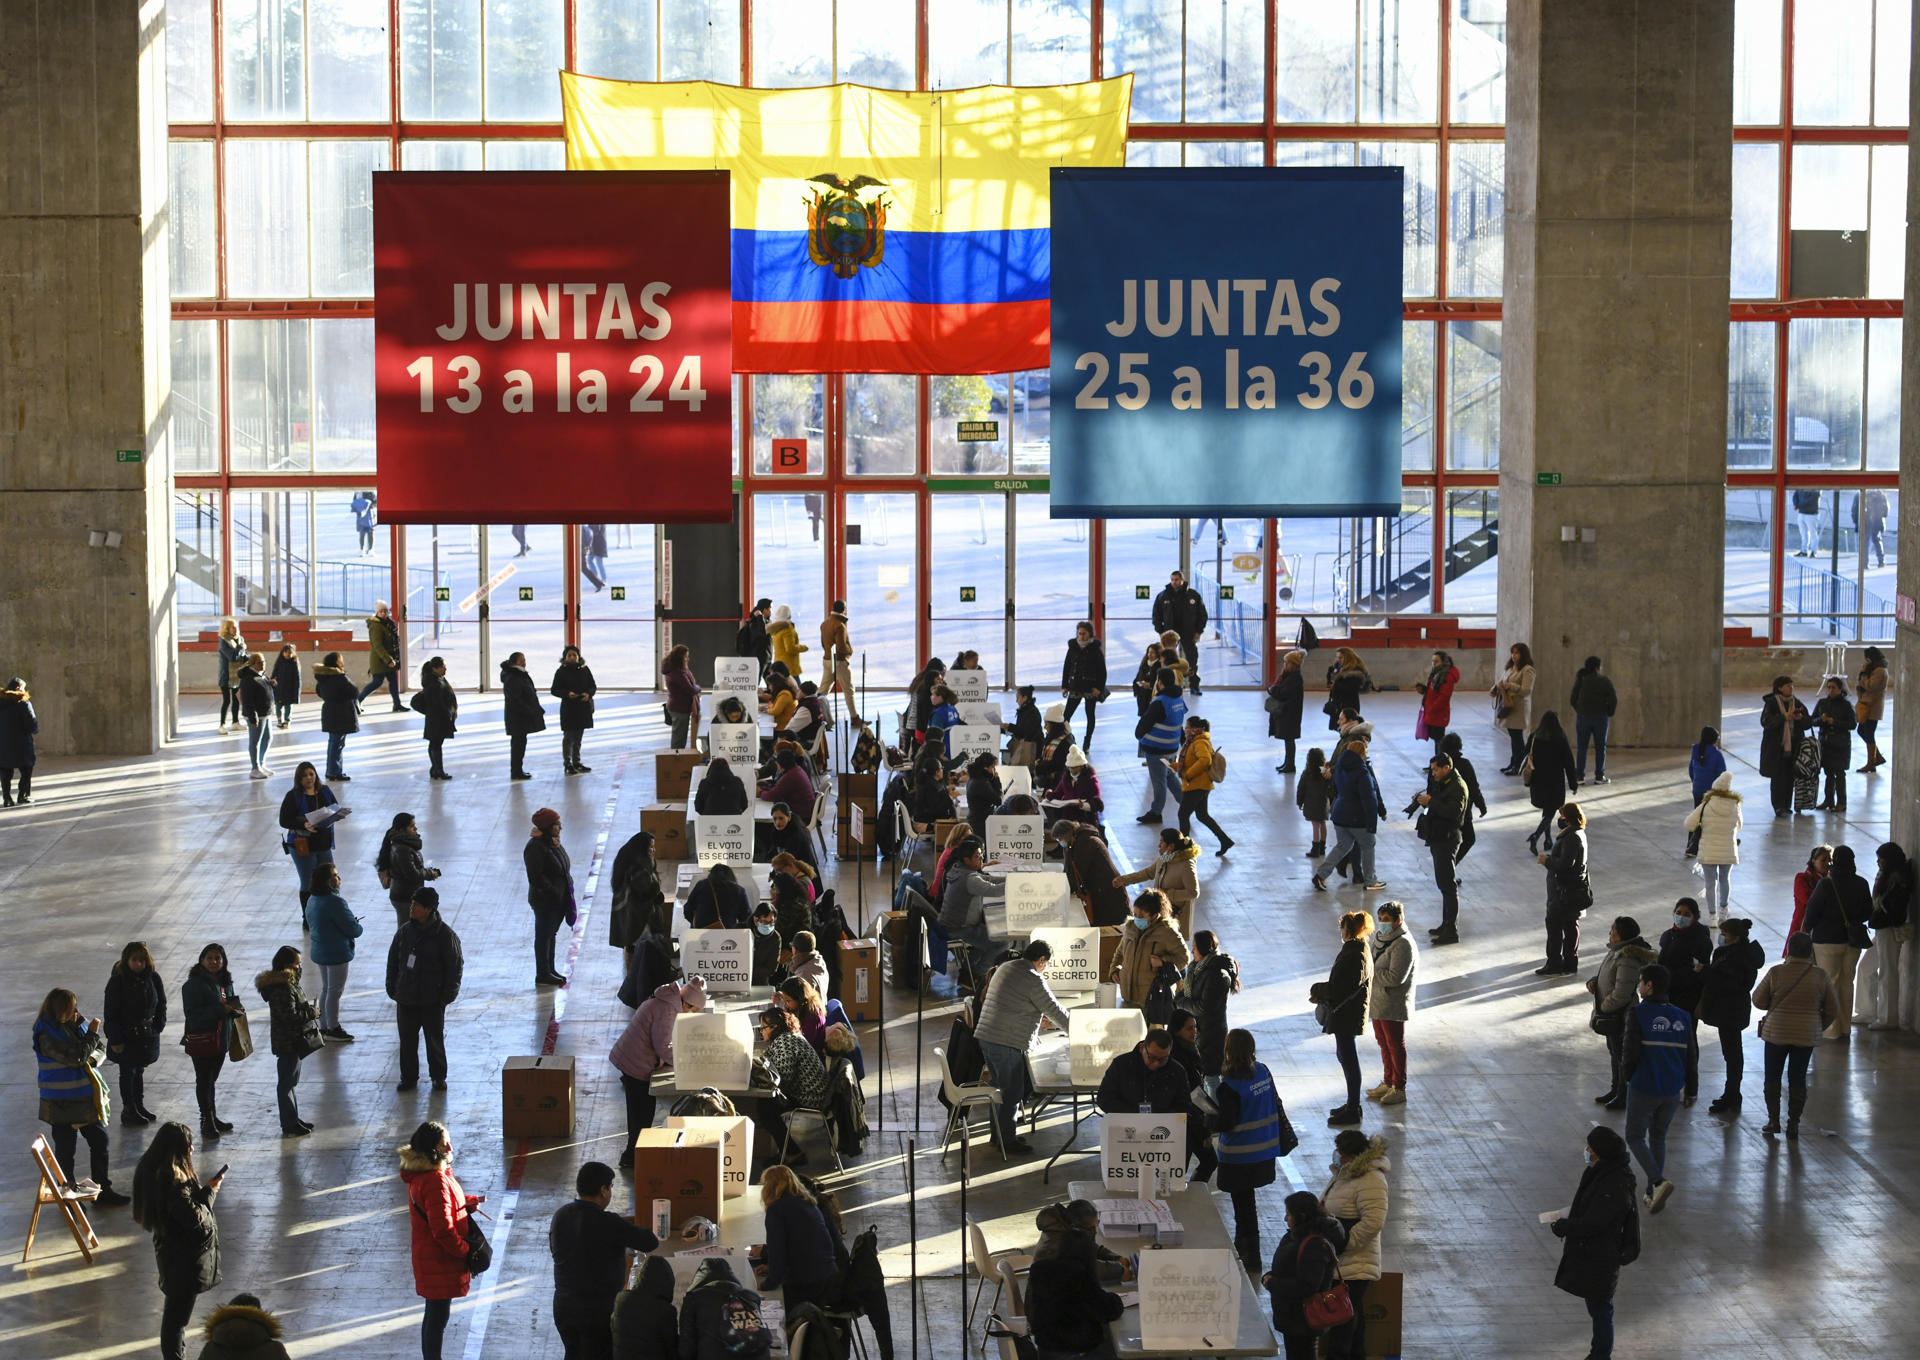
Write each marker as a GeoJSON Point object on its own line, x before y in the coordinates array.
{"type": "Point", "coordinates": [787, 646]}
{"type": "Point", "coordinates": [1196, 763]}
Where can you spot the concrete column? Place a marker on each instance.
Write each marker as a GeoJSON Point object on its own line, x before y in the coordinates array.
{"type": "Point", "coordinates": [1614, 347]}
{"type": "Point", "coordinates": [1903, 752]}
{"type": "Point", "coordinates": [84, 371]}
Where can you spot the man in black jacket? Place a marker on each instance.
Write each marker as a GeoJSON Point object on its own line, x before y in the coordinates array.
{"type": "Point", "coordinates": [590, 1247]}
{"type": "Point", "coordinates": [1067, 1310]}
{"type": "Point", "coordinates": [752, 639]}
{"type": "Point", "coordinates": [1180, 609]}
{"type": "Point", "coordinates": [1148, 1077]}
{"type": "Point", "coordinates": [423, 978]}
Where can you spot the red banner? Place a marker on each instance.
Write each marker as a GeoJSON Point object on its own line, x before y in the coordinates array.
{"type": "Point", "coordinates": [553, 347]}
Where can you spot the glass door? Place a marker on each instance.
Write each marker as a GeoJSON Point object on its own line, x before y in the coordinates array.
{"type": "Point", "coordinates": [525, 589]}
{"type": "Point", "coordinates": [442, 600]}
{"type": "Point", "coordinates": [882, 587]}
{"type": "Point", "coordinates": [1141, 555]}
{"type": "Point", "coordinates": [1229, 570]}
{"type": "Point", "coordinates": [968, 595]}
{"type": "Point", "coordinates": [1050, 593]}
{"type": "Point", "coordinates": [617, 605]}
{"type": "Point", "coordinates": [790, 564]}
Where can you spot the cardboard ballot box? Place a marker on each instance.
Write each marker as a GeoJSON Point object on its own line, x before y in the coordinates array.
{"type": "Point", "coordinates": [668, 823]}
{"type": "Point", "coordinates": [736, 1145]}
{"type": "Point", "coordinates": [673, 774]}
{"type": "Point", "coordinates": [860, 979]}
{"type": "Point", "coordinates": [686, 1166]}
{"type": "Point", "coordinates": [536, 1097]}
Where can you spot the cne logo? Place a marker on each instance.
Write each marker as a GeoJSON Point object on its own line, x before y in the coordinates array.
{"type": "Point", "coordinates": [1661, 1024]}
{"type": "Point", "coordinates": [1159, 1134]}
{"type": "Point", "coordinates": [846, 232]}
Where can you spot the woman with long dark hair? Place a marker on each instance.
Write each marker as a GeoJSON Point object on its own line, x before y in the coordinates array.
{"type": "Point", "coordinates": [306, 843]}
{"type": "Point", "coordinates": [441, 1213]}
{"type": "Point", "coordinates": [1513, 703]}
{"type": "Point", "coordinates": [170, 1202]}
{"type": "Point", "coordinates": [1882, 974]}
{"type": "Point", "coordinates": [1083, 677]}
{"type": "Point", "coordinates": [683, 696]}
{"type": "Point", "coordinates": [440, 706]}
{"type": "Point", "coordinates": [1552, 777]}
{"type": "Point", "coordinates": [210, 1001]}
{"type": "Point", "coordinates": [134, 1013]}
{"type": "Point", "coordinates": [295, 1032]}
{"type": "Point", "coordinates": [1344, 994]}
{"type": "Point", "coordinates": [73, 1097]}
{"type": "Point", "coordinates": [1705, 764]}
{"type": "Point", "coordinates": [573, 686]}
{"type": "Point", "coordinates": [722, 792]}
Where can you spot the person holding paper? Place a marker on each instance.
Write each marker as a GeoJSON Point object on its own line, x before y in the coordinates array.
{"type": "Point", "coordinates": [1025, 730]}
{"type": "Point", "coordinates": [1057, 1222]}
{"type": "Point", "coordinates": [1151, 944]}
{"type": "Point", "coordinates": [1056, 741]}
{"type": "Point", "coordinates": [792, 1061]}
{"type": "Point", "coordinates": [788, 834]}
{"type": "Point", "coordinates": [1068, 1312]}
{"type": "Point", "coordinates": [309, 838]}
{"type": "Point", "coordinates": [1018, 1000]}
{"type": "Point", "coordinates": [1075, 796]}
{"type": "Point", "coordinates": [589, 1247]}
{"type": "Point", "coordinates": [1091, 873]}
{"type": "Point", "coordinates": [802, 1253]}
{"type": "Point", "coordinates": [646, 1046]}
{"type": "Point", "coordinates": [791, 786]}
{"type": "Point", "coordinates": [1602, 1233]}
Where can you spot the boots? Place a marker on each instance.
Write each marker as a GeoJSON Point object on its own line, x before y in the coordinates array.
{"type": "Point", "coordinates": [209, 1132]}
{"type": "Point", "coordinates": [1772, 1126]}
{"type": "Point", "coordinates": [1796, 1102]}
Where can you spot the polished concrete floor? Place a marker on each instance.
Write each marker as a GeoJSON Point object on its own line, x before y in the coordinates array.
{"type": "Point", "coordinates": [1766, 1248]}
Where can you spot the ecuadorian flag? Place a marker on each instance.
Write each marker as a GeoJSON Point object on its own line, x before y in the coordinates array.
{"type": "Point", "coordinates": [874, 231]}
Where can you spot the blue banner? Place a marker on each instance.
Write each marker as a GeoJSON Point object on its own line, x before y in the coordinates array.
{"type": "Point", "coordinates": [1226, 342]}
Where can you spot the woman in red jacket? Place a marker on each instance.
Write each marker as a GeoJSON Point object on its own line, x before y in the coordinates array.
{"type": "Point", "coordinates": [1436, 697]}
{"type": "Point", "coordinates": [440, 1212]}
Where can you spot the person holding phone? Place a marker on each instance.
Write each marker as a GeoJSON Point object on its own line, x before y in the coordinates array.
{"type": "Point", "coordinates": [73, 1096]}
{"type": "Point", "coordinates": [171, 1202]}
{"type": "Point", "coordinates": [442, 1217]}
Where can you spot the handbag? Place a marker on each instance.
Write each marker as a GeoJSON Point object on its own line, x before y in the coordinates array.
{"type": "Point", "coordinates": [1526, 770]}
{"type": "Point", "coordinates": [1608, 1023]}
{"type": "Point", "coordinates": [1761, 1028]}
{"type": "Point", "coordinates": [1332, 1307]}
{"type": "Point", "coordinates": [1272, 704]}
{"type": "Point", "coordinates": [1323, 1013]}
{"type": "Point", "coordinates": [201, 1043]}
{"type": "Point", "coordinates": [240, 1046]}
{"type": "Point", "coordinates": [1420, 726]}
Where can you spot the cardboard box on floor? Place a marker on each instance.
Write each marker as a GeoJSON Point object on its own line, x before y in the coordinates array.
{"type": "Point", "coordinates": [860, 979]}
{"type": "Point", "coordinates": [536, 1097]}
{"type": "Point", "coordinates": [668, 823]}
{"type": "Point", "coordinates": [687, 1166]}
{"type": "Point", "coordinates": [855, 784]}
{"type": "Point", "coordinates": [1382, 1309]}
{"type": "Point", "coordinates": [736, 1152]}
{"type": "Point", "coordinates": [673, 774]}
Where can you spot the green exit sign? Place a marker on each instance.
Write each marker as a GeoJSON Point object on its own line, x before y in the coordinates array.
{"type": "Point", "coordinates": [443, 593]}
{"type": "Point", "coordinates": [619, 593]}
{"type": "Point", "coordinates": [1546, 479]}
{"type": "Point", "coordinates": [1226, 592]}
{"type": "Point", "coordinates": [127, 456]}
{"type": "Point", "coordinates": [1143, 592]}
{"type": "Point", "coordinates": [967, 594]}
{"type": "Point", "coordinates": [526, 592]}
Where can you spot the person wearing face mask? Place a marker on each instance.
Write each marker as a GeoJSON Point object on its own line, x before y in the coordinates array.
{"type": "Point", "coordinates": [1612, 989]}
{"type": "Point", "coordinates": [1686, 947]}
{"type": "Point", "coordinates": [1726, 986]}
{"type": "Point", "coordinates": [1601, 1232]}
{"type": "Point", "coordinates": [1661, 1064]}
{"type": "Point", "coordinates": [1305, 1263]}
{"type": "Point", "coordinates": [766, 947]}
{"type": "Point", "coordinates": [1356, 1198]}
{"type": "Point", "coordinates": [645, 1046]}
{"type": "Point", "coordinates": [1151, 944]}
{"type": "Point", "coordinates": [1253, 1131]}
{"type": "Point", "coordinates": [1390, 1001]}
{"type": "Point", "coordinates": [1569, 893]}
{"type": "Point", "coordinates": [1837, 916]}
{"type": "Point", "coordinates": [1713, 835]}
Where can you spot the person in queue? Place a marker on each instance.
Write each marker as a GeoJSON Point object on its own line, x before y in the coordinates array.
{"type": "Point", "coordinates": [1214, 977]}
{"type": "Point", "coordinates": [210, 1001]}
{"type": "Point", "coordinates": [294, 1030]}
{"type": "Point", "coordinates": [1783, 722]}
{"type": "Point", "coordinates": [331, 930]}
{"type": "Point", "coordinates": [1836, 922]}
{"type": "Point", "coordinates": [132, 1015]}
{"type": "Point", "coordinates": [1083, 677]}
{"type": "Point", "coordinates": [439, 707]}
{"type": "Point", "coordinates": [1018, 1001]}
{"type": "Point", "coordinates": [1344, 995]}
{"type": "Point", "coordinates": [1553, 777]}
{"type": "Point", "coordinates": [1443, 823]}
{"type": "Point", "coordinates": [1613, 989]}
{"type": "Point", "coordinates": [67, 1047]}
{"type": "Point", "coordinates": [441, 1214]}
{"type": "Point", "coordinates": [1726, 1003]}
{"type": "Point", "coordinates": [589, 1247]}
{"type": "Point", "coordinates": [520, 712]}
{"type": "Point", "coordinates": [307, 843]}
{"type": "Point", "coordinates": [1800, 1002]}
{"type": "Point", "coordinates": [424, 969]}
{"type": "Point", "coordinates": [1569, 893]}
{"type": "Point", "coordinates": [574, 687]}
{"type": "Point", "coordinates": [1306, 1262]}
{"type": "Point", "coordinates": [1513, 703]}
{"type": "Point", "coordinates": [1286, 699]}
{"type": "Point", "coordinates": [1390, 1000]}
{"type": "Point", "coordinates": [339, 713]}
{"type": "Point", "coordinates": [1152, 945]}
{"type": "Point", "coordinates": [1356, 1198]}
{"type": "Point", "coordinates": [1598, 1231]}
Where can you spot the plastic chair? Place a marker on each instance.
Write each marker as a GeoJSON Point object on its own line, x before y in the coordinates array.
{"type": "Point", "coordinates": [818, 824]}
{"type": "Point", "coordinates": [961, 1097]}
{"type": "Point", "coordinates": [1016, 1293]}
{"type": "Point", "coordinates": [988, 1265]}
{"type": "Point", "coordinates": [908, 834]}
{"type": "Point", "coordinates": [821, 1119]}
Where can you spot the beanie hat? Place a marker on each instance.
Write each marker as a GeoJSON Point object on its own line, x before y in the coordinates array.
{"type": "Point", "coordinates": [1607, 1145]}
{"type": "Point", "coordinates": [545, 818]}
{"type": "Point", "coordinates": [1056, 713]}
{"type": "Point", "coordinates": [428, 898]}
{"type": "Point", "coordinates": [783, 615]}
{"type": "Point", "coordinates": [1076, 759]}
{"type": "Point", "coordinates": [693, 992]}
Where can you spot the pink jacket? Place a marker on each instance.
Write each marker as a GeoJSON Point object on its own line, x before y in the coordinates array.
{"type": "Point", "coordinates": [647, 1042]}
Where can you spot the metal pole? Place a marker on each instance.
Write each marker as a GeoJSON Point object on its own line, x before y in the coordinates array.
{"type": "Point", "coordinates": [966, 1323]}
{"type": "Point", "coordinates": [913, 1251]}
{"type": "Point", "coordinates": [919, 1020]}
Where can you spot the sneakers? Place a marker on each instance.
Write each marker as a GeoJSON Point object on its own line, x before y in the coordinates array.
{"type": "Point", "coordinates": [1148, 819]}
{"type": "Point", "coordinates": [339, 1036]}
{"type": "Point", "coordinates": [1376, 1092]}
{"type": "Point", "coordinates": [223, 729]}
{"type": "Point", "coordinates": [1319, 883]}
{"type": "Point", "coordinates": [1657, 1197]}
{"type": "Point", "coordinates": [1376, 885]}
{"type": "Point", "coordinates": [1397, 1096]}
{"type": "Point", "coordinates": [1602, 779]}
{"type": "Point", "coordinates": [257, 773]}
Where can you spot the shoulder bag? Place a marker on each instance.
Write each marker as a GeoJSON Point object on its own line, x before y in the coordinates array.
{"type": "Point", "coordinates": [1331, 1307]}
{"type": "Point", "coordinates": [1323, 1013]}
{"type": "Point", "coordinates": [1605, 1022]}
{"type": "Point", "coordinates": [201, 1043]}
{"type": "Point", "coordinates": [1761, 1028]}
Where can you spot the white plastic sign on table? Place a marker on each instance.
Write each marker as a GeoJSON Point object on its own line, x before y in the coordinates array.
{"type": "Point", "coordinates": [1137, 1146]}
{"type": "Point", "coordinates": [1096, 1037]}
{"type": "Point", "coordinates": [723, 840]}
{"type": "Point", "coordinates": [736, 675]}
{"type": "Point", "coordinates": [969, 687]}
{"type": "Point", "coordinates": [1015, 780]}
{"type": "Point", "coordinates": [1189, 1298]}
{"type": "Point", "coordinates": [712, 1048]}
{"type": "Point", "coordinates": [723, 957]}
{"type": "Point", "coordinates": [980, 715]}
{"type": "Point", "coordinates": [968, 742]}
{"type": "Point", "coordinates": [1075, 965]}
{"type": "Point", "coordinates": [736, 743]}
{"type": "Point", "coordinates": [1040, 898]}
{"type": "Point", "coordinates": [1016, 840]}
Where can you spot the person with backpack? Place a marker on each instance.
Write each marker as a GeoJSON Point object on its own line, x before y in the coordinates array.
{"type": "Point", "coordinates": [1601, 1232]}
{"type": "Point", "coordinates": [1152, 943]}
{"type": "Point", "coordinates": [1200, 767]}
{"type": "Point", "coordinates": [441, 1214]}
{"type": "Point", "coordinates": [1159, 732]}
{"type": "Point", "coordinates": [1661, 1064]}
{"type": "Point", "coordinates": [752, 639]}
{"type": "Point", "coordinates": [720, 1317]}
{"type": "Point", "coordinates": [1306, 1265]}
{"type": "Point", "coordinates": [589, 1248]}
{"type": "Point", "coordinates": [801, 1254]}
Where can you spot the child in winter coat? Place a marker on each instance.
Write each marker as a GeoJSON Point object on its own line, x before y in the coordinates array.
{"type": "Point", "coordinates": [1314, 797]}
{"type": "Point", "coordinates": [286, 685]}
{"type": "Point", "coordinates": [645, 1326]}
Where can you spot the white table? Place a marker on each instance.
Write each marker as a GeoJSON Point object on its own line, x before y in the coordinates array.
{"type": "Point", "coordinates": [1050, 1074]}
{"type": "Point", "coordinates": [1198, 1212]}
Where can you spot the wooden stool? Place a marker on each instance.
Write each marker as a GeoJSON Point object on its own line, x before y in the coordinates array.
{"type": "Point", "coordinates": [53, 1189]}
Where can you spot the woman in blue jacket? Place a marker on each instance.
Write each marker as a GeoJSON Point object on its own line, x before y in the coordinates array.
{"type": "Point", "coordinates": [331, 930]}
{"type": "Point", "coordinates": [73, 1098]}
{"type": "Point", "coordinates": [1356, 813]}
{"type": "Point", "coordinates": [1706, 764]}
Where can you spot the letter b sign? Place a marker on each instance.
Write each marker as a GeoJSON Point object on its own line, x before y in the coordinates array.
{"type": "Point", "coordinates": [789, 458]}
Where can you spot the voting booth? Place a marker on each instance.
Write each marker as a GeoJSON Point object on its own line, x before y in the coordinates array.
{"type": "Point", "coordinates": [724, 840]}
{"type": "Point", "coordinates": [1016, 840]}
{"type": "Point", "coordinates": [1075, 965]}
{"type": "Point", "coordinates": [969, 687]}
{"type": "Point", "coordinates": [736, 743]}
{"type": "Point", "coordinates": [737, 675]}
{"type": "Point", "coordinates": [1039, 899]}
{"type": "Point", "coordinates": [980, 715]}
{"type": "Point", "coordinates": [712, 1049]}
{"type": "Point", "coordinates": [966, 742]}
{"type": "Point", "coordinates": [1095, 1037]}
{"type": "Point", "coordinates": [723, 957]}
